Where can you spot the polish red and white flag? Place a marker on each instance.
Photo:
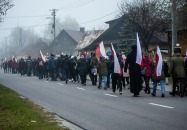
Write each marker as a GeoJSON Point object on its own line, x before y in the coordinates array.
{"type": "Point", "coordinates": [100, 50]}
{"type": "Point", "coordinates": [117, 68]}
{"type": "Point", "coordinates": [139, 51]}
{"type": "Point", "coordinates": [42, 56]}
{"type": "Point", "coordinates": [158, 62]}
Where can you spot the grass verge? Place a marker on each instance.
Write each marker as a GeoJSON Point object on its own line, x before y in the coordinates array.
{"type": "Point", "coordinates": [21, 114]}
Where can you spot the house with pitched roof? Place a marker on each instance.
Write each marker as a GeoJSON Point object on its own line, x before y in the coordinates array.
{"type": "Point", "coordinates": [70, 42]}
{"type": "Point", "coordinates": [111, 35]}
{"type": "Point", "coordinates": [66, 42]}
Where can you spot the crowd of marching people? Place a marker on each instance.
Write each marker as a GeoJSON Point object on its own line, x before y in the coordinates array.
{"type": "Point", "coordinates": [101, 71]}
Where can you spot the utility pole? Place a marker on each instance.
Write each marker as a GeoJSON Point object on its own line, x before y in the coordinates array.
{"type": "Point", "coordinates": [20, 39]}
{"type": "Point", "coordinates": [6, 52]}
{"type": "Point", "coordinates": [54, 19]}
{"type": "Point", "coordinates": [174, 26]}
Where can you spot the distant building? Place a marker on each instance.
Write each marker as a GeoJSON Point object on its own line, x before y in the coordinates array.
{"type": "Point", "coordinates": [88, 38]}
{"type": "Point", "coordinates": [66, 42]}
{"type": "Point", "coordinates": [111, 35]}
{"type": "Point", "coordinates": [71, 42]}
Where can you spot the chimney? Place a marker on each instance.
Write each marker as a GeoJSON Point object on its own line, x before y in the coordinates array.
{"type": "Point", "coordinates": [82, 29]}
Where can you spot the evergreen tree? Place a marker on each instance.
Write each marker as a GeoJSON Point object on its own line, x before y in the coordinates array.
{"type": "Point", "coordinates": [127, 37]}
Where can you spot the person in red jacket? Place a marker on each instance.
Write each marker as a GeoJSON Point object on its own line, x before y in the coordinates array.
{"type": "Point", "coordinates": [147, 61]}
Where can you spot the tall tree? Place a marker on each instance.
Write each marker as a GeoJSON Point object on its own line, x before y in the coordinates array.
{"type": "Point", "coordinates": [127, 37]}
{"type": "Point", "coordinates": [21, 38]}
{"type": "Point", "coordinates": [152, 16]}
{"type": "Point", "coordinates": [147, 17]}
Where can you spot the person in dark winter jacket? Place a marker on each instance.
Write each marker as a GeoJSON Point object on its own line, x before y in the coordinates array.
{"type": "Point", "coordinates": [52, 68]}
{"type": "Point", "coordinates": [82, 69]}
{"type": "Point", "coordinates": [186, 74]}
{"type": "Point", "coordinates": [93, 64]}
{"type": "Point", "coordinates": [102, 71]}
{"type": "Point", "coordinates": [72, 69]}
{"type": "Point", "coordinates": [29, 66]}
{"type": "Point", "coordinates": [22, 65]}
{"type": "Point", "coordinates": [116, 78]}
{"type": "Point", "coordinates": [177, 69]}
{"type": "Point", "coordinates": [166, 71]}
{"type": "Point", "coordinates": [109, 70]}
{"type": "Point", "coordinates": [59, 66]}
{"type": "Point", "coordinates": [135, 72]}
{"type": "Point", "coordinates": [46, 69]}
{"type": "Point", "coordinates": [66, 68]}
{"type": "Point", "coordinates": [40, 66]}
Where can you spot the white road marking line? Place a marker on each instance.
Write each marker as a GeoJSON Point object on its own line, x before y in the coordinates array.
{"type": "Point", "coordinates": [46, 81]}
{"type": "Point", "coordinates": [111, 95]}
{"type": "Point", "coordinates": [160, 105]}
{"type": "Point", "coordinates": [80, 88]}
{"type": "Point", "coordinates": [60, 84]}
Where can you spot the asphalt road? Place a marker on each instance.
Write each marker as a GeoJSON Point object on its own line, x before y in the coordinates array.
{"type": "Point", "coordinates": [95, 109]}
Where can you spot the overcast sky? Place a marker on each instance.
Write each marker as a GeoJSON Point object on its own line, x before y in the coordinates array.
{"type": "Point", "coordinates": [34, 12]}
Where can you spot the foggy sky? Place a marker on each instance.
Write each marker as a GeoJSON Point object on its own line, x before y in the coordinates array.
{"type": "Point", "coordinates": [34, 12]}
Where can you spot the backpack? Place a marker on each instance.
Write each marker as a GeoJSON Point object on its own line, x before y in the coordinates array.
{"type": "Point", "coordinates": [41, 63]}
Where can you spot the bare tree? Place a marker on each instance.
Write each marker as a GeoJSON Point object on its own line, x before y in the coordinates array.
{"type": "Point", "coordinates": [147, 17]}
{"type": "Point", "coordinates": [5, 5]}
{"type": "Point", "coordinates": [152, 16]}
{"type": "Point", "coordinates": [21, 38]}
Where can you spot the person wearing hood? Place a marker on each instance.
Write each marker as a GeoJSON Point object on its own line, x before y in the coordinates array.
{"type": "Point", "coordinates": [135, 71]}
{"type": "Point", "coordinates": [82, 68]}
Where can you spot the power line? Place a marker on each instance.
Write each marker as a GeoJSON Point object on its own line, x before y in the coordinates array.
{"type": "Point", "coordinates": [26, 16]}
{"type": "Point", "coordinates": [61, 24]}
{"type": "Point", "coordinates": [100, 17]}
{"type": "Point", "coordinates": [77, 6]}
{"type": "Point", "coordinates": [93, 19]}
{"type": "Point", "coordinates": [25, 26]}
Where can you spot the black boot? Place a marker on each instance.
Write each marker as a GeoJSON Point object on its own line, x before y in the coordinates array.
{"type": "Point", "coordinates": [172, 93]}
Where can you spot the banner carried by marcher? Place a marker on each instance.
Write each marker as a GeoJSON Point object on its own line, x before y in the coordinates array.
{"type": "Point", "coordinates": [139, 51]}
{"type": "Point", "coordinates": [100, 50]}
{"type": "Point", "coordinates": [158, 62]}
{"type": "Point", "coordinates": [42, 56]}
{"type": "Point", "coordinates": [117, 68]}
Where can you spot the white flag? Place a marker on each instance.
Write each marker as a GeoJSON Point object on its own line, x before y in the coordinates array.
{"type": "Point", "coordinates": [43, 58]}
{"type": "Point", "coordinates": [117, 68]}
{"type": "Point", "coordinates": [158, 62]}
{"type": "Point", "coordinates": [139, 51]}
